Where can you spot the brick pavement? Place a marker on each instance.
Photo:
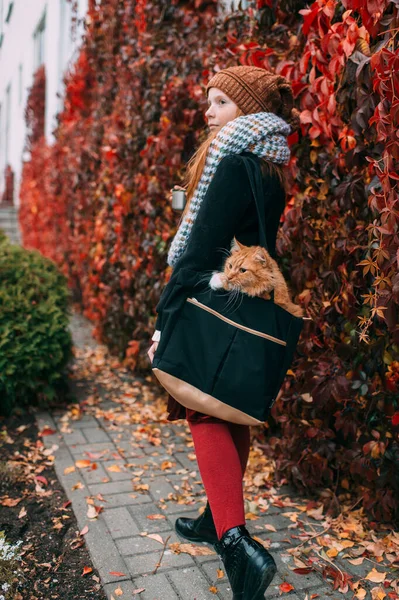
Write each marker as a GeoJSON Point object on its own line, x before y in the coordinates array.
{"type": "Point", "coordinates": [114, 539]}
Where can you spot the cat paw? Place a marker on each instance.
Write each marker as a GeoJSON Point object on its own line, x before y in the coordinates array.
{"type": "Point", "coordinates": [215, 282]}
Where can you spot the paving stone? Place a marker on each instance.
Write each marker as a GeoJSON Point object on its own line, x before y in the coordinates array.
{"type": "Point", "coordinates": [145, 563]}
{"type": "Point", "coordinates": [299, 582]}
{"type": "Point", "coordinates": [191, 584]}
{"type": "Point", "coordinates": [104, 552]}
{"type": "Point", "coordinates": [125, 472]}
{"type": "Point", "coordinates": [76, 437]}
{"type": "Point", "coordinates": [157, 587]}
{"type": "Point", "coordinates": [159, 487]}
{"type": "Point", "coordinates": [277, 520]}
{"type": "Point", "coordinates": [102, 452]}
{"type": "Point", "coordinates": [125, 499]}
{"type": "Point", "coordinates": [140, 512]}
{"type": "Point", "coordinates": [95, 434]}
{"type": "Point", "coordinates": [118, 435]}
{"type": "Point", "coordinates": [140, 544]}
{"type": "Point", "coordinates": [127, 587]}
{"type": "Point", "coordinates": [94, 475]}
{"type": "Point", "coordinates": [112, 487]}
{"type": "Point", "coordinates": [85, 421]}
{"type": "Point", "coordinates": [191, 465]}
{"type": "Point", "coordinates": [120, 522]}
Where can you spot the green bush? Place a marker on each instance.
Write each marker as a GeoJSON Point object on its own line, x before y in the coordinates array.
{"type": "Point", "coordinates": [35, 343]}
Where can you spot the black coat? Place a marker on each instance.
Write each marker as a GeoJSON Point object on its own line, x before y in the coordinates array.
{"type": "Point", "coordinates": [227, 210]}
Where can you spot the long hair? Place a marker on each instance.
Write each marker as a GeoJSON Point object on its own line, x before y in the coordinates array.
{"type": "Point", "coordinates": [195, 167]}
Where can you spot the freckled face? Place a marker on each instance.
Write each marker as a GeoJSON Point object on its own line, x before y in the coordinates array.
{"type": "Point", "coordinates": [221, 109]}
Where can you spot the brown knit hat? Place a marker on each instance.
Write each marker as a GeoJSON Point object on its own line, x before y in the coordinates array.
{"type": "Point", "coordinates": [257, 90]}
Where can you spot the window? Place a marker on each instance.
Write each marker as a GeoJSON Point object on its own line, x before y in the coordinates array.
{"type": "Point", "coordinates": [38, 38]}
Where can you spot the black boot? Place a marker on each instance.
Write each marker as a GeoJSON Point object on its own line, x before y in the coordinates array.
{"type": "Point", "coordinates": [201, 529]}
{"type": "Point", "coordinates": [249, 566]}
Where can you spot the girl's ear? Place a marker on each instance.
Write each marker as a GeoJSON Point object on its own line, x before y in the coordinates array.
{"type": "Point", "coordinates": [235, 246]}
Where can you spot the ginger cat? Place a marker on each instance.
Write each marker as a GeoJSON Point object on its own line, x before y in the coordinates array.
{"type": "Point", "coordinates": [251, 270]}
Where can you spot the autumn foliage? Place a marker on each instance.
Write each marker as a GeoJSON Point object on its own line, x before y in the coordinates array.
{"type": "Point", "coordinates": [97, 203]}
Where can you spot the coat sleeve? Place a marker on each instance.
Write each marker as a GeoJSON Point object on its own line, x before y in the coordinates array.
{"type": "Point", "coordinates": [224, 204]}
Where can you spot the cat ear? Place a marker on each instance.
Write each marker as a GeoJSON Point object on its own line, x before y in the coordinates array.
{"type": "Point", "coordinates": [260, 255]}
{"type": "Point", "coordinates": [235, 246]}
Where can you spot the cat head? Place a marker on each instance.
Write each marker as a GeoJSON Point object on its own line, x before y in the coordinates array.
{"type": "Point", "coordinates": [248, 266]}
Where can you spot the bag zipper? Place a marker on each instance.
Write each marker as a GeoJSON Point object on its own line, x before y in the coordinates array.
{"type": "Point", "coordinates": [248, 329]}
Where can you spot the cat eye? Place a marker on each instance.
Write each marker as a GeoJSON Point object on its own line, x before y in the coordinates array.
{"type": "Point", "coordinates": [230, 265]}
{"type": "Point", "coordinates": [242, 270]}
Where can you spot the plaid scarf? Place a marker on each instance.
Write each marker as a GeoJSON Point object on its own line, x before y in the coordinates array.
{"type": "Point", "coordinates": [264, 134]}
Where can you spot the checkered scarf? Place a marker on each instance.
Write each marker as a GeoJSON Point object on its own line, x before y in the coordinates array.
{"type": "Point", "coordinates": [264, 134]}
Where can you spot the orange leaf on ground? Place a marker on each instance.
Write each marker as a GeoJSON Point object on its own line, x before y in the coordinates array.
{"type": "Point", "coordinates": [87, 570]}
{"type": "Point", "coordinates": [82, 464]}
{"type": "Point", "coordinates": [375, 576]}
{"type": "Point", "coordinates": [117, 574]}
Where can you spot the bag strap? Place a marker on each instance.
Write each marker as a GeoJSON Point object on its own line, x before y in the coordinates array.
{"type": "Point", "coordinates": [257, 191]}
{"type": "Point", "coordinates": [255, 181]}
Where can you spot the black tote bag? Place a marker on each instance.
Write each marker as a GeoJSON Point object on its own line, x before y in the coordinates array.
{"type": "Point", "coordinates": [228, 361]}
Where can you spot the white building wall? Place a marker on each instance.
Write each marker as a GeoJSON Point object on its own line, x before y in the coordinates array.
{"type": "Point", "coordinates": [20, 54]}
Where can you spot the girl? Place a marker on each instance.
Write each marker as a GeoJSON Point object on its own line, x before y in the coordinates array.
{"type": "Point", "coordinates": [250, 114]}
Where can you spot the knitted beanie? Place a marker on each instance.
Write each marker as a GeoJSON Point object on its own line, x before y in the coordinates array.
{"type": "Point", "coordinates": [256, 90]}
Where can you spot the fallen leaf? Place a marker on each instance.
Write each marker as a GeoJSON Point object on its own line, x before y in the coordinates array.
{"type": "Point", "coordinates": [376, 576]}
{"type": "Point", "coordinates": [156, 537]}
{"type": "Point", "coordinates": [22, 513]}
{"type": "Point", "coordinates": [114, 469]}
{"type": "Point", "coordinates": [213, 589]}
{"type": "Point", "coordinates": [92, 512]}
{"type": "Point", "coordinates": [47, 431]}
{"type": "Point", "coordinates": [191, 549]}
{"type": "Point", "coordinates": [156, 516]}
{"type": "Point", "coordinates": [378, 593]}
{"type": "Point", "coordinates": [356, 561]}
{"type": "Point", "coordinates": [220, 573]}
{"type": "Point", "coordinates": [11, 501]}
{"type": "Point", "coordinates": [285, 587]}
{"type": "Point", "coordinates": [118, 592]}
{"type": "Point", "coordinates": [117, 573]}
{"type": "Point", "coordinates": [82, 464]}
{"type": "Point", "coordinates": [84, 530]}
{"type": "Point", "coordinates": [138, 591]}
{"type": "Point", "coordinates": [270, 527]}
{"type": "Point", "coordinates": [87, 570]}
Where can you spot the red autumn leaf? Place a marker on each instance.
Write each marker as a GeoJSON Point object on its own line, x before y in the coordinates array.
{"type": "Point", "coordinates": [286, 587]}
{"type": "Point", "coordinates": [47, 431]}
{"type": "Point", "coordinates": [117, 574]}
{"type": "Point", "coordinates": [395, 419]}
{"type": "Point", "coordinates": [42, 479]}
{"type": "Point", "coordinates": [303, 570]}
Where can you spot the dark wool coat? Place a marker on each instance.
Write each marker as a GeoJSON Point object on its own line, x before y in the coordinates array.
{"type": "Point", "coordinates": [227, 210]}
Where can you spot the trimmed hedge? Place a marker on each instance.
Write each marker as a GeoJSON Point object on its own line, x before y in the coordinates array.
{"type": "Point", "coordinates": [35, 343]}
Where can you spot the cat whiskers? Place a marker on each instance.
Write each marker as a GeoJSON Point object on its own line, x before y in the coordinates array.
{"type": "Point", "coordinates": [234, 294]}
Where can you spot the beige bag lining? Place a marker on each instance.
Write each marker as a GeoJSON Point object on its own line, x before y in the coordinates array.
{"type": "Point", "coordinates": [193, 398]}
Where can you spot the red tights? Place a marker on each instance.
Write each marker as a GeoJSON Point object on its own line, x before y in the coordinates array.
{"type": "Point", "coordinates": [222, 451]}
